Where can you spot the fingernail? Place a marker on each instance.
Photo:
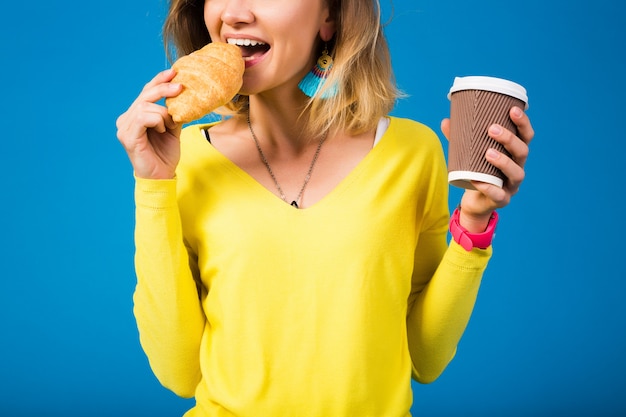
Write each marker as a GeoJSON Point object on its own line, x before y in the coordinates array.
{"type": "Point", "coordinates": [492, 153]}
{"type": "Point", "coordinates": [517, 112]}
{"type": "Point", "coordinates": [495, 130]}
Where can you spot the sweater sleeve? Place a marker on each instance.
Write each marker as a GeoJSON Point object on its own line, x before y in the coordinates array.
{"type": "Point", "coordinates": [442, 309]}
{"type": "Point", "coordinates": [445, 284]}
{"type": "Point", "coordinates": [167, 307]}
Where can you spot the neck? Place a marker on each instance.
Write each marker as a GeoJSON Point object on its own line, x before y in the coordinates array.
{"type": "Point", "coordinates": [280, 122]}
{"type": "Point", "coordinates": [265, 161]}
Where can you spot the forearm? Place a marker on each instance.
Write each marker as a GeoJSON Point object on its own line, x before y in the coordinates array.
{"type": "Point", "coordinates": [167, 307]}
{"type": "Point", "coordinates": [441, 311]}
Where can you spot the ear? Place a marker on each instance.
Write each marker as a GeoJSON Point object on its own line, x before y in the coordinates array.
{"type": "Point", "coordinates": [328, 28]}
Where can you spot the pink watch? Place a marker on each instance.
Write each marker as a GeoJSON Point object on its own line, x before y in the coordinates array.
{"type": "Point", "coordinates": [472, 240]}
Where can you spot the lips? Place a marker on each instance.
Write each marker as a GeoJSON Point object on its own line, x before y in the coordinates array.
{"type": "Point", "coordinates": [251, 49]}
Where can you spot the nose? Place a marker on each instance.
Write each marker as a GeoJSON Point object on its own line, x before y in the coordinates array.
{"type": "Point", "coordinates": [236, 12]}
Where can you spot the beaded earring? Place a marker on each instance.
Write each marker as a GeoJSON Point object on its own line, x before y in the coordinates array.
{"type": "Point", "coordinates": [315, 79]}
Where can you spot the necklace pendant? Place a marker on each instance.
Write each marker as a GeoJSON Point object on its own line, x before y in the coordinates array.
{"type": "Point", "coordinates": [293, 203]}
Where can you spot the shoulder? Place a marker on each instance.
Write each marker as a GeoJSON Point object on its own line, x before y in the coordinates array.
{"type": "Point", "coordinates": [416, 139]}
{"type": "Point", "coordinates": [194, 142]}
{"type": "Point", "coordinates": [196, 152]}
{"type": "Point", "coordinates": [411, 132]}
{"type": "Point", "coordinates": [416, 148]}
{"type": "Point", "coordinates": [193, 134]}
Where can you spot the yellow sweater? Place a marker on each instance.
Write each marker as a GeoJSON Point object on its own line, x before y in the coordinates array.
{"type": "Point", "coordinates": [259, 309]}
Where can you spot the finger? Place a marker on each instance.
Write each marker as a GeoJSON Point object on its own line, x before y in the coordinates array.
{"type": "Point", "coordinates": [162, 77]}
{"type": "Point", "coordinates": [524, 128]}
{"type": "Point", "coordinates": [153, 116]}
{"type": "Point", "coordinates": [514, 173]}
{"type": "Point", "coordinates": [498, 195]}
{"type": "Point", "coordinates": [169, 122]}
{"type": "Point", "coordinates": [156, 92]}
{"type": "Point", "coordinates": [513, 144]}
{"type": "Point", "coordinates": [134, 124]}
{"type": "Point", "coordinates": [445, 128]}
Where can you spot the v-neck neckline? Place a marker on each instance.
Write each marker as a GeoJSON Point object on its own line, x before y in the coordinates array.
{"type": "Point", "coordinates": [342, 186]}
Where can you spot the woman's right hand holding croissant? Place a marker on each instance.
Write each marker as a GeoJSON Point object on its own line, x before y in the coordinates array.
{"type": "Point", "coordinates": [148, 133]}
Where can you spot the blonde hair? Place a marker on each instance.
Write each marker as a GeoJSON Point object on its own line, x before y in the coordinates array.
{"type": "Point", "coordinates": [361, 64]}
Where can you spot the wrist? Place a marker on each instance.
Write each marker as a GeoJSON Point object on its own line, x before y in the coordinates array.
{"type": "Point", "coordinates": [469, 239]}
{"type": "Point", "coordinates": [474, 223]}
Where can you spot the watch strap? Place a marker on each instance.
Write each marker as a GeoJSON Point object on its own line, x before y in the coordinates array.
{"type": "Point", "coordinates": [472, 240]}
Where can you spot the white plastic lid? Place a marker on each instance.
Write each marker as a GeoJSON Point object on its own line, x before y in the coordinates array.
{"type": "Point", "coordinates": [497, 85]}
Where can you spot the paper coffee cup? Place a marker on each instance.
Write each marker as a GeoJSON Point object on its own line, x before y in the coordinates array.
{"type": "Point", "coordinates": [476, 103]}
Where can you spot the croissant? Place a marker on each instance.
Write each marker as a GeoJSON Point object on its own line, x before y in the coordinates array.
{"type": "Point", "coordinates": [210, 76]}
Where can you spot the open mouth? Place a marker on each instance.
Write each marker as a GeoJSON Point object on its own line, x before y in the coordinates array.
{"type": "Point", "coordinates": [250, 48]}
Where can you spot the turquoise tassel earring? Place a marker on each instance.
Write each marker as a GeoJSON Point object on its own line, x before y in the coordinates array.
{"type": "Point", "coordinates": [316, 78]}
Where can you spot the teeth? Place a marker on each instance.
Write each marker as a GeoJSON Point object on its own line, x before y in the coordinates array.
{"type": "Point", "coordinates": [244, 42]}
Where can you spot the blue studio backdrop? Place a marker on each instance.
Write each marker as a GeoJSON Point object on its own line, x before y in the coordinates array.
{"type": "Point", "coordinates": [548, 334]}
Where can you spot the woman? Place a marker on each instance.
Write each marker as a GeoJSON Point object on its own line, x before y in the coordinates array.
{"type": "Point", "coordinates": [292, 259]}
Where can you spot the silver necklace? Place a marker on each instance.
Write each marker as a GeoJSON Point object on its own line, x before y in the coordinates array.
{"type": "Point", "coordinates": [269, 169]}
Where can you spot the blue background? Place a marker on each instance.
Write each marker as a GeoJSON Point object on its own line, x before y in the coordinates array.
{"type": "Point", "coordinates": [549, 331]}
